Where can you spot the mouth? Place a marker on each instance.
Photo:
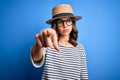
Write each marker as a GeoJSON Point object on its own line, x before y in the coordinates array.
{"type": "Point", "coordinates": [65, 30]}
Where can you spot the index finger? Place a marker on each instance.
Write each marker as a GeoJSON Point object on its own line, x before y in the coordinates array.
{"type": "Point", "coordinates": [55, 42]}
{"type": "Point", "coordinates": [54, 38]}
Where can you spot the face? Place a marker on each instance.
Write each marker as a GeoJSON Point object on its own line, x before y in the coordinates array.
{"type": "Point", "coordinates": [64, 26]}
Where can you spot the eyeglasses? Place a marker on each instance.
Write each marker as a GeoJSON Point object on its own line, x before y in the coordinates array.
{"type": "Point", "coordinates": [60, 22]}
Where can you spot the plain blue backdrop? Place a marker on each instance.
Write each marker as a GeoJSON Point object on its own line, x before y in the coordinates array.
{"type": "Point", "coordinates": [99, 32]}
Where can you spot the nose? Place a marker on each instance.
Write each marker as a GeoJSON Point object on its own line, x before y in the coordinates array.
{"type": "Point", "coordinates": [65, 24]}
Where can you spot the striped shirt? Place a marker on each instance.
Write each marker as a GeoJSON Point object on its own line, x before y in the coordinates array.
{"type": "Point", "coordinates": [69, 63]}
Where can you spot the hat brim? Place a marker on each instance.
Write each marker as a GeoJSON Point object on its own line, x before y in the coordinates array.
{"type": "Point", "coordinates": [76, 18]}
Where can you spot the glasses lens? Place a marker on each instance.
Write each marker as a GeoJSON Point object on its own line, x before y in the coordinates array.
{"type": "Point", "coordinates": [69, 22]}
{"type": "Point", "coordinates": [59, 23]}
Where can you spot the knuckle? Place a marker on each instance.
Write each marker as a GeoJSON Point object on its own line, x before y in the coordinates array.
{"type": "Point", "coordinates": [44, 33]}
{"type": "Point", "coordinates": [36, 36]}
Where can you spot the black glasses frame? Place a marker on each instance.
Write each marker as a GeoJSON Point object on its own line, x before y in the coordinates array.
{"type": "Point", "coordinates": [64, 21]}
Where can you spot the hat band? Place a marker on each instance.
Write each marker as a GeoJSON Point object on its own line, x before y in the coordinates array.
{"type": "Point", "coordinates": [63, 14]}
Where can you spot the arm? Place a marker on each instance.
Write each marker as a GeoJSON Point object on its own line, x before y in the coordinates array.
{"type": "Point", "coordinates": [45, 38]}
{"type": "Point", "coordinates": [37, 56]}
{"type": "Point", "coordinates": [84, 73]}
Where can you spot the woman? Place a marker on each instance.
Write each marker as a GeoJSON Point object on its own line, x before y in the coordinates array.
{"type": "Point", "coordinates": [57, 49]}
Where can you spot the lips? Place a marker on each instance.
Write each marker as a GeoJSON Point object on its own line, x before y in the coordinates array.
{"type": "Point", "coordinates": [65, 30]}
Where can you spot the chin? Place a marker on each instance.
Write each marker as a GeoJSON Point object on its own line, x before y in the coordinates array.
{"type": "Point", "coordinates": [65, 34]}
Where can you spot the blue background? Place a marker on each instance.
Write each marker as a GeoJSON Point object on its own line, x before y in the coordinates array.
{"type": "Point", "coordinates": [99, 32]}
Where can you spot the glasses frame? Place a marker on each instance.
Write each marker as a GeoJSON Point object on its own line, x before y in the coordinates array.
{"type": "Point", "coordinates": [64, 21]}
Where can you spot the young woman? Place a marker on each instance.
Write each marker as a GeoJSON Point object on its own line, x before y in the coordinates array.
{"type": "Point", "coordinates": [57, 49]}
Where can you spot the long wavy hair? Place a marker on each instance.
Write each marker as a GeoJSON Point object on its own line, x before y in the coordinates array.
{"type": "Point", "coordinates": [73, 35]}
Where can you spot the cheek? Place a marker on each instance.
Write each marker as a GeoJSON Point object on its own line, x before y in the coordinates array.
{"type": "Point", "coordinates": [70, 28]}
{"type": "Point", "coordinates": [60, 29]}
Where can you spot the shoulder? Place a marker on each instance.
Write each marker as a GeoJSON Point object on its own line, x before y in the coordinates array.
{"type": "Point", "coordinates": [82, 49]}
{"type": "Point", "coordinates": [80, 45]}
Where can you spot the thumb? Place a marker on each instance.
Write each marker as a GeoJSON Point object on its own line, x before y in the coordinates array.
{"type": "Point", "coordinates": [38, 43]}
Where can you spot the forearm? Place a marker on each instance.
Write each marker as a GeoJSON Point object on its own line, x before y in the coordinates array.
{"type": "Point", "coordinates": [37, 53]}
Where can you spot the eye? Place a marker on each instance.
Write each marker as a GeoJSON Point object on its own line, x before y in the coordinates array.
{"type": "Point", "coordinates": [68, 20]}
{"type": "Point", "coordinates": [59, 21]}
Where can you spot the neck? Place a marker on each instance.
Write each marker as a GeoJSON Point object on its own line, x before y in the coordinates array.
{"type": "Point", "coordinates": [64, 38]}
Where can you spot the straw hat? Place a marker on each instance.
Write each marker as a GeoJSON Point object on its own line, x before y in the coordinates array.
{"type": "Point", "coordinates": [62, 10]}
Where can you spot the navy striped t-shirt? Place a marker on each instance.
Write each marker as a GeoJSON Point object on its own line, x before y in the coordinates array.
{"type": "Point", "coordinates": [69, 63]}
